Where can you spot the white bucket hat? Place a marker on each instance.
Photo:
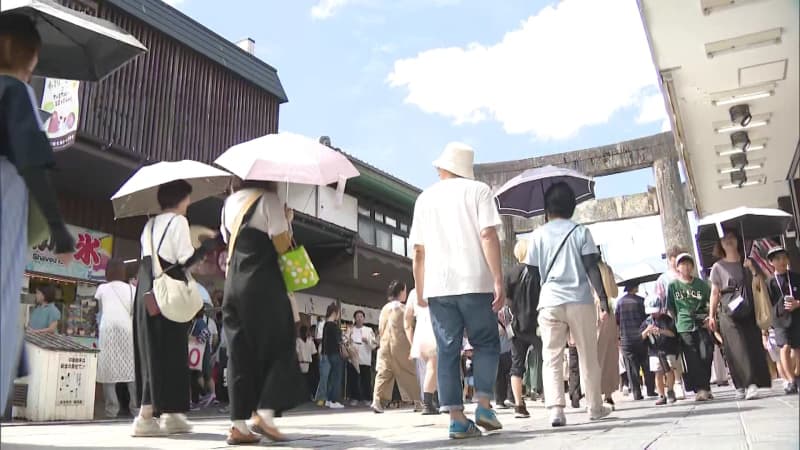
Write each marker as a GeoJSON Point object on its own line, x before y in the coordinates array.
{"type": "Point", "coordinates": [457, 158]}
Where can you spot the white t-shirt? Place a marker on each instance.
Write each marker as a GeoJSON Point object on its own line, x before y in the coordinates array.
{"type": "Point", "coordinates": [448, 220]}
{"type": "Point", "coordinates": [177, 246]}
{"type": "Point", "coordinates": [268, 216]}
{"type": "Point", "coordinates": [305, 352]}
{"type": "Point", "coordinates": [364, 339]}
{"type": "Point", "coordinates": [116, 300]}
{"type": "Point", "coordinates": [567, 281]}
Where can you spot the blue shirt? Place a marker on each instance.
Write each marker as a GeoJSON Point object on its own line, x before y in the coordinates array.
{"type": "Point", "coordinates": [43, 315]}
{"type": "Point", "coordinates": [567, 281]}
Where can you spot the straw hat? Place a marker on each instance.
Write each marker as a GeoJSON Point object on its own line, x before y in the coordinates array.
{"type": "Point", "coordinates": [457, 159]}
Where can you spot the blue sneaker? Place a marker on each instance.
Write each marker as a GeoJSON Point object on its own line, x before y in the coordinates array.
{"type": "Point", "coordinates": [487, 419]}
{"type": "Point", "coordinates": [466, 430]}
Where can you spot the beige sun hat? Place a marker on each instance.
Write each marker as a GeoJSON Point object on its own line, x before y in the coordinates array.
{"type": "Point", "coordinates": [457, 158]}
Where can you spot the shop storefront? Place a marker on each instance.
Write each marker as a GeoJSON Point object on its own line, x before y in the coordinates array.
{"type": "Point", "coordinates": [75, 282]}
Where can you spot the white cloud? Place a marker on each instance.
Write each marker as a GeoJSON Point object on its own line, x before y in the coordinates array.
{"type": "Point", "coordinates": [327, 8]}
{"type": "Point", "coordinates": [569, 66]}
{"type": "Point", "coordinates": [652, 110]}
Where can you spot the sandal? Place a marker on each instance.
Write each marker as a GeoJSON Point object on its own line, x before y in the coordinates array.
{"type": "Point", "coordinates": [236, 437]}
{"type": "Point", "coordinates": [271, 433]}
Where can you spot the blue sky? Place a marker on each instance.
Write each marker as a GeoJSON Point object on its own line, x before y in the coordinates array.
{"type": "Point", "coordinates": [392, 81]}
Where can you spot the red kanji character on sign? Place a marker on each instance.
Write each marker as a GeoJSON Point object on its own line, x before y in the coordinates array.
{"type": "Point", "coordinates": [87, 249]}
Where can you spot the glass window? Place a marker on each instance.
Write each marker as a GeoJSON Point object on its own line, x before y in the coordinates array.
{"type": "Point", "coordinates": [383, 239]}
{"type": "Point", "coordinates": [391, 222]}
{"type": "Point", "coordinates": [378, 217]}
{"type": "Point", "coordinates": [364, 211]}
{"type": "Point", "coordinates": [404, 227]}
{"type": "Point", "coordinates": [399, 245]}
{"type": "Point", "coordinates": [366, 230]}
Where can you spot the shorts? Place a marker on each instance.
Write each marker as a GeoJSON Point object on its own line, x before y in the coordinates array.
{"type": "Point", "coordinates": [788, 336]}
{"type": "Point", "coordinates": [470, 381]}
{"type": "Point", "coordinates": [519, 353]}
{"type": "Point", "coordinates": [655, 363]}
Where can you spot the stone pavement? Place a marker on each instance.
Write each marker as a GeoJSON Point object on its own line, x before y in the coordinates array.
{"type": "Point", "coordinates": [769, 423]}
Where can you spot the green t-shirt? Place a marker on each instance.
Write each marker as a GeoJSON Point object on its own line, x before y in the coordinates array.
{"type": "Point", "coordinates": [687, 301]}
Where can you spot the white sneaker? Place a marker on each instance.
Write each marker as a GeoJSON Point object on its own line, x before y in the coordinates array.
{"type": "Point", "coordinates": [377, 408]}
{"type": "Point", "coordinates": [752, 392]}
{"type": "Point", "coordinates": [557, 417]}
{"type": "Point", "coordinates": [334, 405]}
{"type": "Point", "coordinates": [146, 427]}
{"type": "Point", "coordinates": [604, 412]}
{"type": "Point", "coordinates": [176, 424]}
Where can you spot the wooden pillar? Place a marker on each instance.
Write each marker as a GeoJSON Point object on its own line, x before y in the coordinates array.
{"type": "Point", "coordinates": [672, 205]}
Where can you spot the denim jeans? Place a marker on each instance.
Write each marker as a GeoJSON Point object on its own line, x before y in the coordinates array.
{"type": "Point", "coordinates": [451, 316]}
{"type": "Point", "coordinates": [331, 369]}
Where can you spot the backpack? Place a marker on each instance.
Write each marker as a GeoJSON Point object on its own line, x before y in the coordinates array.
{"type": "Point", "coordinates": [523, 294]}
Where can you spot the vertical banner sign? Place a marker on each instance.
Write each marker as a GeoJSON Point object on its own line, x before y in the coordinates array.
{"type": "Point", "coordinates": [60, 99]}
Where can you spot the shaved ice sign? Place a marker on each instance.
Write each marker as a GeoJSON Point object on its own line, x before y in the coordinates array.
{"type": "Point", "coordinates": [60, 99]}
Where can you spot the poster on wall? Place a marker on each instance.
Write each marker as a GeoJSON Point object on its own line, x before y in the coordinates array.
{"type": "Point", "coordinates": [92, 252]}
{"type": "Point", "coordinates": [71, 367]}
{"type": "Point", "coordinates": [60, 99]}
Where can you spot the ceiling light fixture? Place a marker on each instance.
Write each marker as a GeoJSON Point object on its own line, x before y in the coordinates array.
{"type": "Point", "coordinates": [755, 121]}
{"type": "Point", "coordinates": [739, 179]}
{"type": "Point", "coordinates": [727, 150]}
{"type": "Point", "coordinates": [742, 98]}
{"type": "Point", "coordinates": [740, 114]}
{"type": "Point", "coordinates": [744, 42]}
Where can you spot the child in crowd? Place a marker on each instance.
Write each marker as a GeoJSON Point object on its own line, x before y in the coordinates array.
{"type": "Point", "coordinates": [784, 290]}
{"type": "Point", "coordinates": [661, 339]}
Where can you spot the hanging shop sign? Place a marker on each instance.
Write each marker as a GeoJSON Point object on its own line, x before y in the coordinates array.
{"type": "Point", "coordinates": [60, 99]}
{"type": "Point", "coordinates": [92, 252]}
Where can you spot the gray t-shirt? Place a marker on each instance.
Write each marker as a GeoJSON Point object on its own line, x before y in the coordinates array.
{"type": "Point", "coordinates": [567, 281]}
{"type": "Point", "coordinates": [725, 274]}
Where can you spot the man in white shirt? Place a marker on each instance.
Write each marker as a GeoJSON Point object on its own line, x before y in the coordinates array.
{"type": "Point", "coordinates": [457, 268]}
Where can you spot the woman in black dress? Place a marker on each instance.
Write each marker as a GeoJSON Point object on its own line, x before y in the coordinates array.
{"type": "Point", "coordinates": [162, 356]}
{"type": "Point", "coordinates": [263, 371]}
{"type": "Point", "coordinates": [732, 297]}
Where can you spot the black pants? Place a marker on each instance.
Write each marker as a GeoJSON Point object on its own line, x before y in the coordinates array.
{"type": "Point", "coordinates": [636, 360]}
{"type": "Point", "coordinates": [502, 384]}
{"type": "Point", "coordinates": [359, 384]}
{"type": "Point", "coordinates": [698, 351]}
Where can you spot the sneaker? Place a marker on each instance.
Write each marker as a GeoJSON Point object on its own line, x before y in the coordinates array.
{"type": "Point", "coordinates": [377, 408]}
{"type": "Point", "coordinates": [752, 392]}
{"type": "Point", "coordinates": [604, 412]}
{"type": "Point", "coordinates": [487, 419]}
{"type": "Point", "coordinates": [661, 401]}
{"type": "Point", "coordinates": [557, 417]}
{"type": "Point", "coordinates": [790, 389]}
{"type": "Point", "coordinates": [521, 412]}
{"type": "Point", "coordinates": [671, 396]}
{"type": "Point", "coordinates": [207, 400]}
{"type": "Point", "coordinates": [322, 403]}
{"type": "Point", "coordinates": [508, 404]}
{"type": "Point", "coordinates": [176, 424]}
{"type": "Point", "coordinates": [334, 405]}
{"type": "Point", "coordinates": [701, 396]}
{"type": "Point", "coordinates": [740, 394]}
{"type": "Point", "coordinates": [146, 427]}
{"type": "Point", "coordinates": [430, 410]}
{"type": "Point", "coordinates": [353, 403]}
{"type": "Point", "coordinates": [610, 402]}
{"type": "Point", "coordinates": [466, 430]}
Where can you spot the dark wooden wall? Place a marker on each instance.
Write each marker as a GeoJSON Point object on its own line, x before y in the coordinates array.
{"type": "Point", "coordinates": [171, 103]}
